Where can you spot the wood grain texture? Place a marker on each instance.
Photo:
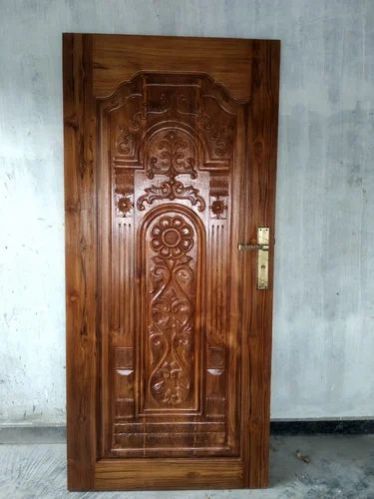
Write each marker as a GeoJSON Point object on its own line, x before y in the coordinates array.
{"type": "Point", "coordinates": [80, 261]}
{"type": "Point", "coordinates": [174, 139]}
{"type": "Point", "coordinates": [259, 183]}
{"type": "Point", "coordinates": [117, 58]}
{"type": "Point", "coordinates": [167, 145]}
{"type": "Point", "coordinates": [168, 474]}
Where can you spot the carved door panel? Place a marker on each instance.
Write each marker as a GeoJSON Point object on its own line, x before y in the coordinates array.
{"type": "Point", "coordinates": [170, 164]}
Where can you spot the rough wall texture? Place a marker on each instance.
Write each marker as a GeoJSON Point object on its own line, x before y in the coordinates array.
{"type": "Point", "coordinates": [324, 290]}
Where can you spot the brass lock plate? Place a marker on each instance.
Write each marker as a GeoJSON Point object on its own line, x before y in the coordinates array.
{"type": "Point", "coordinates": [263, 241]}
{"type": "Point", "coordinates": [262, 247]}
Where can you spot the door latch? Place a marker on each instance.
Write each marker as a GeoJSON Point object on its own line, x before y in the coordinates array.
{"type": "Point", "coordinates": [253, 247]}
{"type": "Point", "coordinates": [262, 247]}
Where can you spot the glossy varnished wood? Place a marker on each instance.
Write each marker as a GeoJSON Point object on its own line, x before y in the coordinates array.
{"type": "Point", "coordinates": [169, 376]}
{"type": "Point", "coordinates": [164, 474]}
{"type": "Point", "coordinates": [80, 209]}
{"type": "Point", "coordinates": [259, 211]}
{"type": "Point", "coordinates": [115, 61]}
{"type": "Point", "coordinates": [170, 154]}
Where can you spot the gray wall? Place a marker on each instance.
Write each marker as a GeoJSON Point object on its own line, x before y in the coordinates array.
{"type": "Point", "coordinates": [324, 291]}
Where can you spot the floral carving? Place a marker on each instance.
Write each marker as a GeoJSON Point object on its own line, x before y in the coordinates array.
{"type": "Point", "coordinates": [171, 189]}
{"type": "Point", "coordinates": [124, 205]}
{"type": "Point", "coordinates": [171, 153]}
{"type": "Point", "coordinates": [218, 207]}
{"type": "Point", "coordinates": [171, 237]}
{"type": "Point", "coordinates": [171, 311]}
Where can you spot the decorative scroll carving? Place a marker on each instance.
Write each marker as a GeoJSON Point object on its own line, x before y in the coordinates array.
{"type": "Point", "coordinates": [193, 101]}
{"type": "Point", "coordinates": [125, 141]}
{"type": "Point", "coordinates": [168, 141]}
{"type": "Point", "coordinates": [171, 189]}
{"type": "Point", "coordinates": [127, 113]}
{"type": "Point", "coordinates": [171, 153]}
{"type": "Point", "coordinates": [219, 131]}
{"type": "Point", "coordinates": [171, 310]}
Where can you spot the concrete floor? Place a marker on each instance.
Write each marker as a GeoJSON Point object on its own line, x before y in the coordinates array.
{"type": "Point", "coordinates": [337, 467]}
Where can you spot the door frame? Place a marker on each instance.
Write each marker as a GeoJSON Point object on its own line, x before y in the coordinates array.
{"type": "Point", "coordinates": [82, 345]}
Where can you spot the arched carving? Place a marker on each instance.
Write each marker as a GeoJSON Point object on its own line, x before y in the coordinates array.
{"type": "Point", "coordinates": [167, 148]}
{"type": "Point", "coordinates": [171, 239]}
{"type": "Point", "coordinates": [165, 125]}
{"type": "Point", "coordinates": [192, 100]}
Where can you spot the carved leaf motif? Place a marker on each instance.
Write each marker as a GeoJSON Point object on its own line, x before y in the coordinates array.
{"type": "Point", "coordinates": [171, 327]}
{"type": "Point", "coordinates": [171, 153]}
{"type": "Point", "coordinates": [171, 189]}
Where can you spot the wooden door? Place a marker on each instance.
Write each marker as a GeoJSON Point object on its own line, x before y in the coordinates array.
{"type": "Point", "coordinates": [170, 156]}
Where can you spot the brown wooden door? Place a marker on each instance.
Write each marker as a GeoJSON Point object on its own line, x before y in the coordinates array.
{"type": "Point", "coordinates": [170, 155]}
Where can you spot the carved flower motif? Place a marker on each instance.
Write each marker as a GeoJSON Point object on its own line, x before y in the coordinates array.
{"type": "Point", "coordinates": [172, 237]}
{"type": "Point", "coordinates": [125, 205]}
{"type": "Point", "coordinates": [218, 207]}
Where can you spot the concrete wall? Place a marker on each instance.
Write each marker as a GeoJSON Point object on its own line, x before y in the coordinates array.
{"type": "Point", "coordinates": [324, 291]}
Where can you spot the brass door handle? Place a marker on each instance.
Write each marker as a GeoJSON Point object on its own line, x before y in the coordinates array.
{"type": "Point", "coordinates": [253, 247]}
{"type": "Point", "coordinates": [262, 247]}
